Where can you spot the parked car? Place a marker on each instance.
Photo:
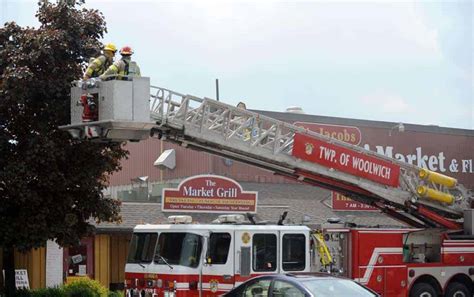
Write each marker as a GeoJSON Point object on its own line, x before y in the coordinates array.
{"type": "Point", "coordinates": [300, 285]}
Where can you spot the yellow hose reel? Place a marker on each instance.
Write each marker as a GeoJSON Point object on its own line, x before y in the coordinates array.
{"type": "Point", "coordinates": [437, 178]}
{"type": "Point", "coordinates": [324, 254]}
{"type": "Point", "coordinates": [433, 194]}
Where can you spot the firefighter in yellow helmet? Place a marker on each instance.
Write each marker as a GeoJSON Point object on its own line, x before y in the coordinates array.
{"type": "Point", "coordinates": [124, 68]}
{"type": "Point", "coordinates": [98, 65]}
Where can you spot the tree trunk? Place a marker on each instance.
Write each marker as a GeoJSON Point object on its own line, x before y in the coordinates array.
{"type": "Point", "coordinates": [9, 268]}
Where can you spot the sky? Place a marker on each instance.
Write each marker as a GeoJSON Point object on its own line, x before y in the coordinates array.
{"type": "Point", "coordinates": [398, 61]}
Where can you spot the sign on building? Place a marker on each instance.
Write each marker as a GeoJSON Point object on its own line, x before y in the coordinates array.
{"type": "Point", "coordinates": [349, 134]}
{"type": "Point", "coordinates": [341, 202]}
{"type": "Point", "coordinates": [443, 150]}
{"type": "Point", "coordinates": [21, 279]}
{"type": "Point", "coordinates": [209, 193]}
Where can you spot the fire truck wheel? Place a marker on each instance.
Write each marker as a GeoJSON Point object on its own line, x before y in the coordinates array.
{"type": "Point", "coordinates": [458, 290]}
{"type": "Point", "coordinates": [423, 290]}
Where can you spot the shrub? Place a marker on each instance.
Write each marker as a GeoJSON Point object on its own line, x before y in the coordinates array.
{"type": "Point", "coordinates": [85, 287]}
{"type": "Point", "coordinates": [116, 294]}
{"type": "Point", "coordinates": [82, 292]}
{"type": "Point", "coordinates": [48, 292]}
{"type": "Point", "coordinates": [22, 293]}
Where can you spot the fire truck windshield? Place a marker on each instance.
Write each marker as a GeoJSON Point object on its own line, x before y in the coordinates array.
{"type": "Point", "coordinates": [179, 249]}
{"type": "Point", "coordinates": [142, 247]}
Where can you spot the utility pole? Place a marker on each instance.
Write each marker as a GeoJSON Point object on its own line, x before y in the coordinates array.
{"type": "Point", "coordinates": [217, 89]}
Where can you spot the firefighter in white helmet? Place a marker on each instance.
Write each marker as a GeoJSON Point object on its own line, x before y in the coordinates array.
{"type": "Point", "coordinates": [123, 68]}
{"type": "Point", "coordinates": [99, 65]}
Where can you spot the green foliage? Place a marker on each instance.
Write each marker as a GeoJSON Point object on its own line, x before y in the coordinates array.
{"type": "Point", "coordinates": [116, 294]}
{"type": "Point", "coordinates": [23, 293]}
{"type": "Point", "coordinates": [48, 292]}
{"type": "Point", "coordinates": [85, 287]}
{"type": "Point", "coordinates": [50, 185]}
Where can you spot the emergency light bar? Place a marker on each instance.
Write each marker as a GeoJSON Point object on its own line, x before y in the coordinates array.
{"type": "Point", "coordinates": [180, 219]}
{"type": "Point", "coordinates": [229, 218]}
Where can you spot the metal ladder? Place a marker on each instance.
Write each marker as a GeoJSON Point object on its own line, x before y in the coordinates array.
{"type": "Point", "coordinates": [212, 126]}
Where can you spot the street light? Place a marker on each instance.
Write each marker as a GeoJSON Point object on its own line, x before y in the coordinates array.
{"type": "Point", "coordinates": [399, 126]}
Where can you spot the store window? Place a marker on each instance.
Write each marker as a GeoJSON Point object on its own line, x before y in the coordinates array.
{"type": "Point", "coordinates": [264, 250]}
{"type": "Point", "coordinates": [78, 260]}
{"type": "Point", "coordinates": [141, 191]}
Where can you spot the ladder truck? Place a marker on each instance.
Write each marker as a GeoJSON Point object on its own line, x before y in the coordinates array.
{"type": "Point", "coordinates": [435, 257]}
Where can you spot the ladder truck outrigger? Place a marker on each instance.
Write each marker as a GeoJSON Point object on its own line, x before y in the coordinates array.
{"type": "Point", "coordinates": [432, 257]}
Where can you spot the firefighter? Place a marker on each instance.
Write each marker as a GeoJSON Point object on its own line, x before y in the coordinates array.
{"type": "Point", "coordinates": [100, 64]}
{"type": "Point", "coordinates": [123, 68]}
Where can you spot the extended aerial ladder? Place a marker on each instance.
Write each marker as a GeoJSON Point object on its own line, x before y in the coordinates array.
{"type": "Point", "coordinates": [417, 196]}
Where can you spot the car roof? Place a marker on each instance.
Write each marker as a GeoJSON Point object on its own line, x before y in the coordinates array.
{"type": "Point", "coordinates": [302, 276]}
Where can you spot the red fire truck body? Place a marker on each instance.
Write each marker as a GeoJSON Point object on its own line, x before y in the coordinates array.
{"type": "Point", "coordinates": [392, 262]}
{"type": "Point", "coordinates": [395, 262]}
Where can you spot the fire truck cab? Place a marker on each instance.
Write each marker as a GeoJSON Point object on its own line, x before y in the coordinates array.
{"type": "Point", "coordinates": [195, 259]}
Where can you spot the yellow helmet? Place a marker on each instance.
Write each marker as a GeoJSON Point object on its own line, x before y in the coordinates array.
{"type": "Point", "coordinates": [110, 47]}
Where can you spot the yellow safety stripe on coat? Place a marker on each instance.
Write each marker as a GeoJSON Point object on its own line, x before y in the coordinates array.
{"type": "Point", "coordinates": [114, 68]}
{"type": "Point", "coordinates": [97, 62]}
{"type": "Point", "coordinates": [95, 65]}
{"type": "Point", "coordinates": [89, 71]}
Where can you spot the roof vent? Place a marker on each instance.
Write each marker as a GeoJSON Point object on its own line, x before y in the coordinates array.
{"type": "Point", "coordinates": [295, 109]}
{"type": "Point", "coordinates": [166, 160]}
{"type": "Point", "coordinates": [229, 219]}
{"type": "Point", "coordinates": [180, 219]}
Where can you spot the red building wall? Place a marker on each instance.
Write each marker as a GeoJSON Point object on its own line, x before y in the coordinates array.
{"type": "Point", "coordinates": [449, 151]}
{"type": "Point", "coordinates": [188, 163]}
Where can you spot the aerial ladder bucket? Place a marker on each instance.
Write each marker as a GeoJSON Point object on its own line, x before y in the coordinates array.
{"type": "Point", "coordinates": [114, 110]}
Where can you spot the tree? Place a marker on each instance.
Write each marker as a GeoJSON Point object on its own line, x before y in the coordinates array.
{"type": "Point", "coordinates": [50, 185]}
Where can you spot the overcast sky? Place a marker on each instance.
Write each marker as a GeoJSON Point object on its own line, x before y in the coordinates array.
{"type": "Point", "coordinates": [404, 61]}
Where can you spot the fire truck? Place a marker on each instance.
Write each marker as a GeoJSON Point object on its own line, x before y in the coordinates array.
{"type": "Point", "coordinates": [433, 256]}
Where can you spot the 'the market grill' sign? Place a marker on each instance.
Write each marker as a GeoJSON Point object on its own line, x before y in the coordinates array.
{"type": "Point", "coordinates": [209, 193]}
{"type": "Point", "coordinates": [345, 160]}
